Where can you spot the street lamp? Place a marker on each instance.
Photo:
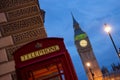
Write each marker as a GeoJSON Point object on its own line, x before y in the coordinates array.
{"type": "Point", "coordinates": [89, 65]}
{"type": "Point", "coordinates": [119, 53]}
{"type": "Point", "coordinates": [108, 30]}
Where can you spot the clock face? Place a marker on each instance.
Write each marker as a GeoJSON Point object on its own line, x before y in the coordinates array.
{"type": "Point", "coordinates": [83, 43]}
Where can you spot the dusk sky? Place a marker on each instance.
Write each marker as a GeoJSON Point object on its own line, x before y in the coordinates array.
{"type": "Point", "coordinates": [91, 16]}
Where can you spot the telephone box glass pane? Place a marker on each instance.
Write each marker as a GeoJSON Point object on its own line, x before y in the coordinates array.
{"type": "Point", "coordinates": [49, 72]}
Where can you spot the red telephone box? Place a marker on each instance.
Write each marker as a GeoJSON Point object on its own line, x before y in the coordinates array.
{"type": "Point", "coordinates": [44, 59]}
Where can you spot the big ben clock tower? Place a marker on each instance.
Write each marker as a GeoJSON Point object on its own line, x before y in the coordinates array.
{"type": "Point", "coordinates": [85, 51]}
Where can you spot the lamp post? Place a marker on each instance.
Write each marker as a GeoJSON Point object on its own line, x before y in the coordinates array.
{"type": "Point", "coordinates": [119, 53]}
{"type": "Point", "coordinates": [108, 29]}
{"type": "Point", "coordinates": [90, 70]}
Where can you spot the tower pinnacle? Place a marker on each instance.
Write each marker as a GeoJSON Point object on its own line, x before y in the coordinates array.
{"type": "Point", "coordinates": [76, 26]}
{"type": "Point", "coordinates": [75, 23]}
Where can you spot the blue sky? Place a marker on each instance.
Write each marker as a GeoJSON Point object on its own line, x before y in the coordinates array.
{"type": "Point", "coordinates": [91, 16]}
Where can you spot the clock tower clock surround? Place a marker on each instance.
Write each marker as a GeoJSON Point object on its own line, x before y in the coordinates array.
{"type": "Point", "coordinates": [86, 53]}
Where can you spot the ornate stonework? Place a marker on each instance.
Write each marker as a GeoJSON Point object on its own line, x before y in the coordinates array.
{"type": "Point", "coordinates": [5, 4]}
{"type": "Point", "coordinates": [29, 35]}
{"type": "Point", "coordinates": [20, 25]}
{"type": "Point", "coordinates": [10, 50]}
{"type": "Point", "coordinates": [24, 38]}
{"type": "Point", "coordinates": [24, 22]}
{"type": "Point", "coordinates": [26, 11]}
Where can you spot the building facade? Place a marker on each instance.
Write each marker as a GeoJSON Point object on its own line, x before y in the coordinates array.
{"type": "Point", "coordinates": [21, 22]}
{"type": "Point", "coordinates": [86, 53]}
{"type": "Point", "coordinates": [115, 75]}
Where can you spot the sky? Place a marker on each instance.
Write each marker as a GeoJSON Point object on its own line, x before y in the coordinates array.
{"type": "Point", "coordinates": [91, 16]}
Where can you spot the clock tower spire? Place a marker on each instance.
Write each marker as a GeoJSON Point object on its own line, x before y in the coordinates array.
{"type": "Point", "coordinates": [85, 51]}
{"type": "Point", "coordinates": [76, 27]}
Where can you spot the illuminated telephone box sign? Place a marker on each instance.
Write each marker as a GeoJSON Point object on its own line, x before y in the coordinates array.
{"type": "Point", "coordinates": [38, 53]}
{"type": "Point", "coordinates": [44, 59]}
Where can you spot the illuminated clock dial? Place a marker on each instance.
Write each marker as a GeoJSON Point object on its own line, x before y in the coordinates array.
{"type": "Point", "coordinates": [83, 43]}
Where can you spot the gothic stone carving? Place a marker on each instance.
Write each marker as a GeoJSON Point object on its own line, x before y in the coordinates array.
{"type": "Point", "coordinates": [29, 35]}
{"type": "Point", "coordinates": [4, 4]}
{"type": "Point", "coordinates": [20, 25]}
{"type": "Point", "coordinates": [10, 50]}
{"type": "Point", "coordinates": [22, 12]}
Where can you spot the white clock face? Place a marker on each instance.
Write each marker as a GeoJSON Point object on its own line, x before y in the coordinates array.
{"type": "Point", "coordinates": [83, 43]}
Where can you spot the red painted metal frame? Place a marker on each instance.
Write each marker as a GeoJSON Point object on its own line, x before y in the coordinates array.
{"type": "Point", "coordinates": [62, 56]}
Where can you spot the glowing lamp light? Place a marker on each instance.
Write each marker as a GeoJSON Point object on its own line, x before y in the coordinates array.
{"type": "Point", "coordinates": [88, 64]}
{"type": "Point", "coordinates": [107, 28]}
